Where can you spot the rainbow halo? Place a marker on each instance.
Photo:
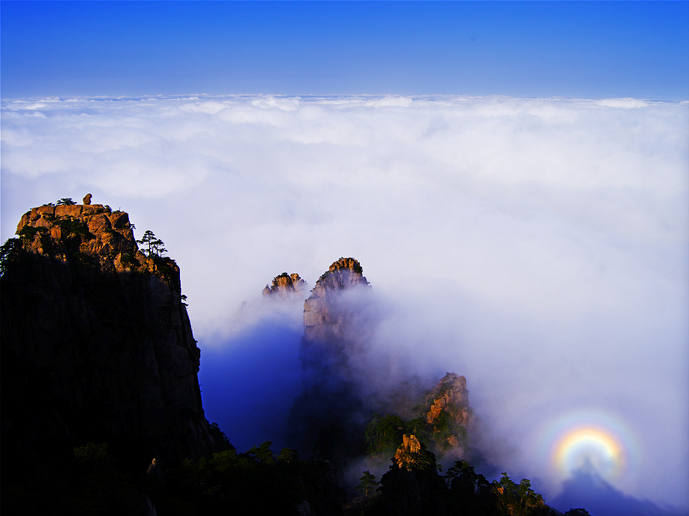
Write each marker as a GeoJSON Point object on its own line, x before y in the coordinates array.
{"type": "Point", "coordinates": [589, 447]}
{"type": "Point", "coordinates": [589, 440]}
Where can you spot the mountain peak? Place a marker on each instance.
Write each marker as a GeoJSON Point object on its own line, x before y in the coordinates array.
{"type": "Point", "coordinates": [320, 309]}
{"type": "Point", "coordinates": [342, 274]}
{"type": "Point", "coordinates": [285, 284]}
{"type": "Point", "coordinates": [351, 264]}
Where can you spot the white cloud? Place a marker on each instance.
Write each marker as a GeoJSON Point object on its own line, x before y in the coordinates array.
{"type": "Point", "coordinates": [539, 246]}
{"type": "Point", "coordinates": [624, 103]}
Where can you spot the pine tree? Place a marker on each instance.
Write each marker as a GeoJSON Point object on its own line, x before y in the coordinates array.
{"type": "Point", "coordinates": [367, 483]}
{"type": "Point", "coordinates": [153, 245]}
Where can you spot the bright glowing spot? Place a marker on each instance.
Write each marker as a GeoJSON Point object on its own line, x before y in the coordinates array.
{"type": "Point", "coordinates": [589, 447]}
{"type": "Point", "coordinates": [589, 439]}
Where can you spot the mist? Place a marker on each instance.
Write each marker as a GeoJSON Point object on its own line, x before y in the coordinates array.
{"type": "Point", "coordinates": [538, 247]}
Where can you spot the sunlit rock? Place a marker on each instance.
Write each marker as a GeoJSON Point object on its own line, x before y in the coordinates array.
{"type": "Point", "coordinates": [284, 285]}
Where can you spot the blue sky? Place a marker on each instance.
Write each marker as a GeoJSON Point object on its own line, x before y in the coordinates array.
{"type": "Point", "coordinates": [520, 49]}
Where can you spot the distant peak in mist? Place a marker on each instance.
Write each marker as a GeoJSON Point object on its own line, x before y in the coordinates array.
{"type": "Point", "coordinates": [285, 284]}
{"type": "Point", "coordinates": [342, 273]}
{"type": "Point", "coordinates": [324, 309]}
{"type": "Point", "coordinates": [350, 263]}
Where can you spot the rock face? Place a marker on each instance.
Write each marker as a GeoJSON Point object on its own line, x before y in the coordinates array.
{"type": "Point", "coordinates": [448, 412]}
{"type": "Point", "coordinates": [404, 456]}
{"type": "Point", "coordinates": [439, 418]}
{"type": "Point", "coordinates": [92, 233]}
{"type": "Point", "coordinates": [329, 317]}
{"type": "Point", "coordinates": [411, 455]}
{"type": "Point", "coordinates": [449, 397]}
{"type": "Point", "coordinates": [284, 285]}
{"type": "Point", "coordinates": [96, 344]}
{"type": "Point", "coordinates": [329, 410]}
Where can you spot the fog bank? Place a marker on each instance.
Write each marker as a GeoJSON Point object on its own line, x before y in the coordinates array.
{"type": "Point", "coordinates": [537, 246]}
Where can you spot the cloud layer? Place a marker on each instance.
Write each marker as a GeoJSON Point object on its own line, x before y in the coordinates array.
{"type": "Point", "coordinates": [538, 246]}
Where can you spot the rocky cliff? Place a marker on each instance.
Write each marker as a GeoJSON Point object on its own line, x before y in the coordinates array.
{"type": "Point", "coordinates": [96, 344]}
{"type": "Point", "coordinates": [335, 314]}
{"type": "Point", "coordinates": [449, 415]}
{"type": "Point", "coordinates": [327, 416]}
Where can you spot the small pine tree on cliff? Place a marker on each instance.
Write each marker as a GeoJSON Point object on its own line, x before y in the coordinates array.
{"type": "Point", "coordinates": [66, 201]}
{"type": "Point", "coordinates": [151, 245]}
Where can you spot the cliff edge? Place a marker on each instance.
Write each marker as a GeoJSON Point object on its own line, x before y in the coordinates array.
{"type": "Point", "coordinates": [97, 346]}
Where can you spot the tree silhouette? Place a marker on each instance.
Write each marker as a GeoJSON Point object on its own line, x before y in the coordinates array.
{"type": "Point", "coordinates": [67, 201]}
{"type": "Point", "coordinates": [367, 483]}
{"type": "Point", "coordinates": [153, 245]}
{"type": "Point", "coordinates": [8, 253]}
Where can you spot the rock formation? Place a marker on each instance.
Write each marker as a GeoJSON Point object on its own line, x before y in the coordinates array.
{"type": "Point", "coordinates": [411, 455]}
{"type": "Point", "coordinates": [448, 413]}
{"type": "Point", "coordinates": [330, 317]}
{"type": "Point", "coordinates": [96, 344]}
{"type": "Point", "coordinates": [329, 410]}
{"type": "Point", "coordinates": [338, 401]}
{"type": "Point", "coordinates": [439, 418]}
{"type": "Point", "coordinates": [284, 285]}
{"type": "Point", "coordinates": [92, 233]}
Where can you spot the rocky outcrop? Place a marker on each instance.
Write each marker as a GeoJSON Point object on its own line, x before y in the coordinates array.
{"type": "Point", "coordinates": [330, 317]}
{"type": "Point", "coordinates": [438, 418]}
{"type": "Point", "coordinates": [327, 416]}
{"type": "Point", "coordinates": [284, 285]}
{"type": "Point", "coordinates": [96, 343]}
{"type": "Point", "coordinates": [93, 233]}
{"type": "Point", "coordinates": [411, 455]}
{"type": "Point", "coordinates": [448, 412]}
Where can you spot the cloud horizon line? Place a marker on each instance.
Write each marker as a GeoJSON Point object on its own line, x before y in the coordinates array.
{"type": "Point", "coordinates": [315, 96]}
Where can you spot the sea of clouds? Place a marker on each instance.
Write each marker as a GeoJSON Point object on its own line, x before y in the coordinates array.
{"type": "Point", "coordinates": [538, 246]}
